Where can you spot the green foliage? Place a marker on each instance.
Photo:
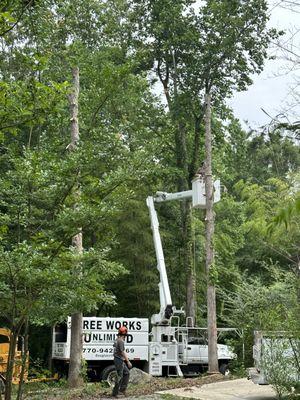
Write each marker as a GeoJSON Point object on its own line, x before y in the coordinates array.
{"type": "Point", "coordinates": [255, 305]}
{"type": "Point", "coordinates": [233, 44]}
{"type": "Point", "coordinates": [134, 250]}
{"type": "Point", "coordinates": [130, 147]}
{"type": "Point", "coordinates": [288, 214]}
{"type": "Point", "coordinates": [40, 177]}
{"type": "Point", "coordinates": [281, 364]}
{"type": "Point", "coordinates": [37, 370]}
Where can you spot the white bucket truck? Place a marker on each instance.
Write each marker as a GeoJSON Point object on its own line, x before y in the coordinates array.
{"type": "Point", "coordinates": [170, 349]}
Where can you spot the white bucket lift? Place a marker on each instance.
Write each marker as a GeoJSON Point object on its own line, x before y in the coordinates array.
{"type": "Point", "coordinates": [198, 192]}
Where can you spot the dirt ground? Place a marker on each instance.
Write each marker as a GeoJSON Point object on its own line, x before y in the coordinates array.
{"type": "Point", "coordinates": [97, 391]}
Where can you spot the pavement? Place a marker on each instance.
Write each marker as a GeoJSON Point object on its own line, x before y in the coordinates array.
{"type": "Point", "coordinates": [237, 389]}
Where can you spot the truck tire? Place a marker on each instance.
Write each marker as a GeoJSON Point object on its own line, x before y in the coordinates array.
{"type": "Point", "coordinates": [224, 369]}
{"type": "Point", "coordinates": [109, 374]}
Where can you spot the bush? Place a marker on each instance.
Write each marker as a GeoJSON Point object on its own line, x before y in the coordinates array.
{"type": "Point", "coordinates": [280, 363]}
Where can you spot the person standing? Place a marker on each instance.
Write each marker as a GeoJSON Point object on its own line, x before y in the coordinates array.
{"type": "Point", "coordinates": [121, 362]}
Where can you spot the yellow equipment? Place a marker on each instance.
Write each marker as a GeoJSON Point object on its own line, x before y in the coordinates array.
{"type": "Point", "coordinates": [4, 352]}
{"type": "Point", "coordinates": [5, 335]}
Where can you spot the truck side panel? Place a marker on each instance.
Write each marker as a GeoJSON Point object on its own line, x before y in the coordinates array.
{"type": "Point", "coordinates": [99, 335]}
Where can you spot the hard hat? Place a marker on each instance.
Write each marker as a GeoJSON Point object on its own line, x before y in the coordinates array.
{"type": "Point", "coordinates": [122, 330]}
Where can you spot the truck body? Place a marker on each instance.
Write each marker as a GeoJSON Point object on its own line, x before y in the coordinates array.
{"type": "Point", "coordinates": [170, 350]}
{"type": "Point", "coordinates": [99, 335]}
{"type": "Point", "coordinates": [275, 353]}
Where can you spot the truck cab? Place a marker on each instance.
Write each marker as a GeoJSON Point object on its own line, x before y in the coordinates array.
{"type": "Point", "coordinates": [197, 351]}
{"type": "Point", "coordinates": [177, 350]}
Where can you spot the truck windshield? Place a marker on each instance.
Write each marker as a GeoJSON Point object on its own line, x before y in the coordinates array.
{"type": "Point", "coordinates": [197, 336]}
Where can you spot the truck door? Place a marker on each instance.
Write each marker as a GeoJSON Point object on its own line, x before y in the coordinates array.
{"type": "Point", "coordinates": [193, 350]}
{"type": "Point", "coordinates": [197, 348]}
{"type": "Point", "coordinates": [203, 347]}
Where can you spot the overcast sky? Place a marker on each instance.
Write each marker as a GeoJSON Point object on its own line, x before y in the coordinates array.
{"type": "Point", "coordinates": [272, 89]}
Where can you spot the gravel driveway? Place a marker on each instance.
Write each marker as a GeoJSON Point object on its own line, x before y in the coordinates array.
{"type": "Point", "coordinates": [238, 389]}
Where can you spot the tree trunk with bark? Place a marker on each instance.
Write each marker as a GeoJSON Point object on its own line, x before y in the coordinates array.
{"type": "Point", "coordinates": [209, 248]}
{"type": "Point", "coordinates": [10, 365]}
{"type": "Point", "coordinates": [14, 333]}
{"type": "Point", "coordinates": [74, 377]}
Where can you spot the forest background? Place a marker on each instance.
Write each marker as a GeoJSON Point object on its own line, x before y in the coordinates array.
{"type": "Point", "coordinates": [131, 145]}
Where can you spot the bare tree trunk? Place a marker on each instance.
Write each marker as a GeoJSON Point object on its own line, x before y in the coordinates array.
{"type": "Point", "coordinates": [209, 249]}
{"type": "Point", "coordinates": [74, 377]}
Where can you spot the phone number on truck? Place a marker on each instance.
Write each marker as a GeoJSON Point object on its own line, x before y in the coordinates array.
{"type": "Point", "coordinates": [102, 350]}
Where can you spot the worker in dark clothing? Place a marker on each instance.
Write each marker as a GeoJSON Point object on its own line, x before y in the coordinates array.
{"type": "Point", "coordinates": [121, 362]}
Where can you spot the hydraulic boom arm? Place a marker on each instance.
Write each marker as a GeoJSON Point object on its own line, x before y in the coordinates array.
{"type": "Point", "coordinates": [197, 194]}
{"type": "Point", "coordinates": [166, 307]}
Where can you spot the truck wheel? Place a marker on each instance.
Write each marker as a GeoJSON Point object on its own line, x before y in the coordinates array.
{"type": "Point", "coordinates": [224, 369]}
{"type": "Point", "coordinates": [109, 374]}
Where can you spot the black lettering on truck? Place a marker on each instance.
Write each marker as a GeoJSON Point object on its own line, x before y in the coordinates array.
{"type": "Point", "coordinates": [129, 338]}
{"type": "Point", "coordinates": [86, 337]}
{"type": "Point", "coordinates": [85, 324]}
{"type": "Point", "coordinates": [99, 325]}
{"type": "Point", "coordinates": [92, 324]}
{"type": "Point", "coordinates": [110, 325]}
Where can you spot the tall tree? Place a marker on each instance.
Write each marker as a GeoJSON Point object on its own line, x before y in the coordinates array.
{"type": "Point", "coordinates": [75, 378]}
{"type": "Point", "coordinates": [227, 54]}
{"type": "Point", "coordinates": [209, 248]}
